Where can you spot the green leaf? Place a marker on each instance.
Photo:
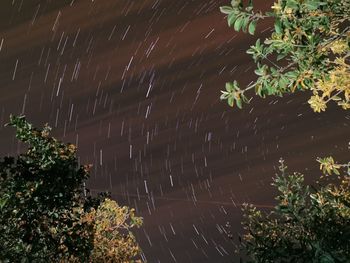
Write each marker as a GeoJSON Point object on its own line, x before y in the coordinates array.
{"type": "Point", "coordinates": [229, 86]}
{"type": "Point", "coordinates": [278, 26]}
{"type": "Point", "coordinates": [252, 27]}
{"type": "Point", "coordinates": [3, 202]}
{"type": "Point", "coordinates": [245, 24]}
{"type": "Point", "coordinates": [292, 4]}
{"type": "Point", "coordinates": [312, 5]}
{"type": "Point", "coordinates": [231, 19]}
{"type": "Point", "coordinates": [259, 72]}
{"type": "Point", "coordinates": [258, 43]}
{"type": "Point", "coordinates": [226, 10]}
{"type": "Point", "coordinates": [239, 103]}
{"type": "Point", "coordinates": [238, 23]}
{"type": "Point", "coordinates": [282, 83]}
{"type": "Point", "coordinates": [230, 101]}
{"type": "Point", "coordinates": [336, 171]}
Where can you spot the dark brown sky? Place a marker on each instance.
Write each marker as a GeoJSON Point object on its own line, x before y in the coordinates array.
{"type": "Point", "coordinates": [136, 84]}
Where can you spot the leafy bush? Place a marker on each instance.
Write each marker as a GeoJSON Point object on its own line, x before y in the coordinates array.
{"type": "Point", "coordinates": [306, 225]}
{"type": "Point", "coordinates": [308, 50]}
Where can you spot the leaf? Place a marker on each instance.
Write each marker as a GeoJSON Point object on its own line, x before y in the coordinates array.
{"type": "Point", "coordinates": [229, 86]}
{"type": "Point", "coordinates": [231, 19]}
{"type": "Point", "coordinates": [278, 26]}
{"type": "Point", "coordinates": [312, 5]}
{"type": "Point", "coordinates": [258, 43]}
{"type": "Point", "coordinates": [283, 82]}
{"type": "Point", "coordinates": [3, 202]}
{"type": "Point", "coordinates": [235, 85]}
{"type": "Point", "coordinates": [259, 71]}
{"type": "Point", "coordinates": [238, 23]}
{"type": "Point", "coordinates": [224, 95]}
{"type": "Point", "coordinates": [250, 51]}
{"type": "Point", "coordinates": [245, 24]}
{"type": "Point", "coordinates": [252, 27]}
{"type": "Point", "coordinates": [226, 10]}
{"type": "Point", "coordinates": [239, 103]}
{"type": "Point", "coordinates": [230, 101]}
{"type": "Point", "coordinates": [336, 171]}
{"type": "Point", "coordinates": [292, 4]}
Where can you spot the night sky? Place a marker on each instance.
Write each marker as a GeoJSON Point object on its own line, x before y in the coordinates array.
{"type": "Point", "coordinates": [136, 85]}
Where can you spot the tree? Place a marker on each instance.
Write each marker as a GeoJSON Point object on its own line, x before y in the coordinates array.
{"type": "Point", "coordinates": [41, 201]}
{"type": "Point", "coordinates": [43, 209]}
{"type": "Point", "coordinates": [308, 224]}
{"type": "Point", "coordinates": [308, 50]}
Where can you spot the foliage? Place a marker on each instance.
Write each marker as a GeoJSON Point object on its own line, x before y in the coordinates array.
{"type": "Point", "coordinates": [306, 225]}
{"type": "Point", "coordinates": [308, 50]}
{"type": "Point", "coordinates": [113, 239]}
{"type": "Point", "coordinates": [42, 206]}
{"type": "Point", "coordinates": [41, 200]}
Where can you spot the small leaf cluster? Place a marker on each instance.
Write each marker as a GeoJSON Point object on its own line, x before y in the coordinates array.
{"type": "Point", "coordinates": [241, 18]}
{"type": "Point", "coordinates": [233, 95]}
{"type": "Point", "coordinates": [328, 166]}
{"type": "Point", "coordinates": [307, 50]}
{"type": "Point", "coordinates": [308, 224]}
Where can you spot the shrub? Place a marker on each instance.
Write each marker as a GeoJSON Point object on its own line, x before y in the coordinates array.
{"type": "Point", "coordinates": [306, 225]}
